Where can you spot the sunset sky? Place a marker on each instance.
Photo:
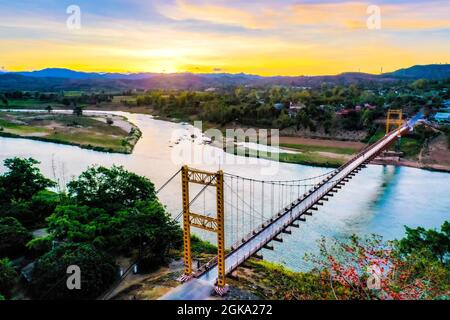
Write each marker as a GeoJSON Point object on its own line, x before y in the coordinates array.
{"type": "Point", "coordinates": [266, 37]}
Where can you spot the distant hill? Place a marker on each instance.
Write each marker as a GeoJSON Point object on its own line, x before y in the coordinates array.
{"type": "Point", "coordinates": [71, 74]}
{"type": "Point", "coordinates": [54, 79]}
{"type": "Point", "coordinates": [432, 71]}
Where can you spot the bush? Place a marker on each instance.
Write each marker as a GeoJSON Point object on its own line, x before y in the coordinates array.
{"type": "Point", "coordinates": [13, 237]}
{"type": "Point", "coordinates": [39, 246]}
{"type": "Point", "coordinates": [8, 276]}
{"type": "Point", "coordinates": [98, 272]}
{"type": "Point", "coordinates": [199, 246]}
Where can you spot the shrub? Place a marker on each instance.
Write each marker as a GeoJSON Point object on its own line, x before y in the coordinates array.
{"type": "Point", "coordinates": [13, 237]}
{"type": "Point", "coordinates": [39, 246]}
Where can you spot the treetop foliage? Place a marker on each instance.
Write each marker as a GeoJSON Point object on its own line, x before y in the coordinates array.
{"type": "Point", "coordinates": [110, 189]}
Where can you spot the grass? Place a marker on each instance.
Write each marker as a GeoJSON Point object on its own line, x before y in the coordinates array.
{"type": "Point", "coordinates": [19, 129]}
{"type": "Point", "coordinates": [271, 281]}
{"type": "Point", "coordinates": [306, 158]}
{"type": "Point", "coordinates": [410, 145]}
{"type": "Point", "coordinates": [309, 148]}
{"type": "Point", "coordinates": [88, 139]}
{"type": "Point", "coordinates": [200, 246]}
{"type": "Point", "coordinates": [311, 159]}
{"type": "Point", "coordinates": [27, 104]}
{"type": "Point", "coordinates": [120, 99]}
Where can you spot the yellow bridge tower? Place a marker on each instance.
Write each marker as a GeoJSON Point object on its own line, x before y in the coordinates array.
{"type": "Point", "coordinates": [203, 222]}
{"type": "Point", "coordinates": [394, 118]}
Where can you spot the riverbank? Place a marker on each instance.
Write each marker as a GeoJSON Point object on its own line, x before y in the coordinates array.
{"type": "Point", "coordinates": [105, 133]}
{"type": "Point", "coordinates": [434, 155]}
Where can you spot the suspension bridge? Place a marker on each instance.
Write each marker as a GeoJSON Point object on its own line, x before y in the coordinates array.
{"type": "Point", "coordinates": [251, 214]}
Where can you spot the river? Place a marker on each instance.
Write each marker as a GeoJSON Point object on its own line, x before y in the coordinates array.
{"type": "Point", "coordinates": [379, 200]}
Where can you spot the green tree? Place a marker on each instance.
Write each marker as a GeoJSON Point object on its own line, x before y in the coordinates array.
{"type": "Point", "coordinates": [151, 228]}
{"type": "Point", "coordinates": [110, 189]}
{"type": "Point", "coordinates": [13, 237]}
{"type": "Point", "coordinates": [98, 272]}
{"type": "Point", "coordinates": [8, 276]}
{"type": "Point", "coordinates": [32, 213]}
{"type": "Point", "coordinates": [436, 244]}
{"type": "Point", "coordinates": [22, 180]}
{"type": "Point", "coordinates": [39, 246]}
{"type": "Point", "coordinates": [77, 110]}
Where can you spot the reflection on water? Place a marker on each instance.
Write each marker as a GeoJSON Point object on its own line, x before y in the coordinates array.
{"type": "Point", "coordinates": [379, 200]}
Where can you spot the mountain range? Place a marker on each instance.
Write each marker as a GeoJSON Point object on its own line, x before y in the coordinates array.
{"type": "Point", "coordinates": [54, 79]}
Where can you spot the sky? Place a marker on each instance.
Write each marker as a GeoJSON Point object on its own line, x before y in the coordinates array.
{"type": "Point", "coordinates": [265, 37]}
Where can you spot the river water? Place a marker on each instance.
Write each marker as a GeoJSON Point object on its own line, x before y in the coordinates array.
{"type": "Point", "coordinates": [380, 199]}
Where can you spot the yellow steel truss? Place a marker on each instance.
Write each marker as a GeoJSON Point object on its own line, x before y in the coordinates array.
{"type": "Point", "coordinates": [191, 219]}
{"type": "Point", "coordinates": [394, 118]}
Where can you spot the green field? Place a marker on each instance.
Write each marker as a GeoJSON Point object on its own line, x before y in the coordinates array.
{"type": "Point", "coordinates": [308, 148]}
{"type": "Point", "coordinates": [27, 104]}
{"type": "Point", "coordinates": [312, 159]}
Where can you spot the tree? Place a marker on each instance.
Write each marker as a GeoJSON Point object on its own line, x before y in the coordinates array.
{"type": "Point", "coordinates": [147, 226]}
{"type": "Point", "coordinates": [77, 110]}
{"type": "Point", "coordinates": [22, 180]}
{"type": "Point", "coordinates": [110, 189]}
{"type": "Point", "coordinates": [49, 108]}
{"type": "Point", "coordinates": [352, 121]}
{"type": "Point", "coordinates": [13, 237]}
{"type": "Point", "coordinates": [32, 213]}
{"type": "Point", "coordinates": [98, 272]}
{"type": "Point", "coordinates": [435, 243]}
{"type": "Point", "coordinates": [152, 229]}
{"type": "Point", "coordinates": [8, 276]}
{"type": "Point", "coordinates": [370, 268]}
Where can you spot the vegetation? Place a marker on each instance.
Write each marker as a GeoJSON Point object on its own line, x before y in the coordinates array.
{"type": "Point", "coordinates": [415, 267]}
{"type": "Point", "coordinates": [199, 246]}
{"type": "Point", "coordinates": [309, 148]}
{"type": "Point", "coordinates": [106, 213]}
{"type": "Point", "coordinates": [23, 194]}
{"type": "Point", "coordinates": [312, 159]}
{"type": "Point", "coordinates": [13, 237]}
{"type": "Point", "coordinates": [98, 271]}
{"type": "Point", "coordinates": [8, 277]}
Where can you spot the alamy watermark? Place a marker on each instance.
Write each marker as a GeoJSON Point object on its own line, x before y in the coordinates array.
{"type": "Point", "coordinates": [374, 20]}
{"type": "Point", "coordinates": [73, 22]}
{"type": "Point", "coordinates": [374, 280]}
{"type": "Point", "coordinates": [74, 280]}
{"type": "Point", "coordinates": [235, 147]}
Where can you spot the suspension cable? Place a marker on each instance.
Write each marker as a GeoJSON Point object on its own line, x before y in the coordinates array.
{"type": "Point", "coordinates": [168, 181]}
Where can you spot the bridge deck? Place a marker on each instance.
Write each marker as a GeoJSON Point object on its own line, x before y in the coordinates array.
{"type": "Point", "coordinates": [207, 279]}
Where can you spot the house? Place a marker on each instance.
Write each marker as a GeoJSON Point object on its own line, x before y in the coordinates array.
{"type": "Point", "coordinates": [442, 118]}
{"type": "Point", "coordinates": [344, 112]}
{"type": "Point", "coordinates": [295, 108]}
